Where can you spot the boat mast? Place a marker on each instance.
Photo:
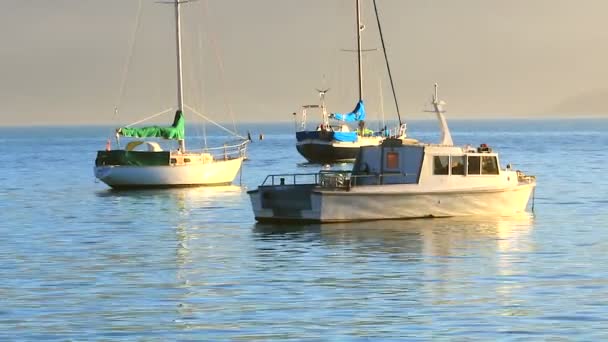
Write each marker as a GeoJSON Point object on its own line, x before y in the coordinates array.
{"type": "Point", "coordinates": [360, 27]}
{"type": "Point", "coordinates": [446, 137]}
{"type": "Point", "coordinates": [323, 108]}
{"type": "Point", "coordinates": [180, 85]}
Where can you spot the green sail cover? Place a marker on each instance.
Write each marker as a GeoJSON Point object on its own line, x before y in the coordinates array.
{"type": "Point", "coordinates": [174, 132]}
{"type": "Point", "coordinates": [132, 158]}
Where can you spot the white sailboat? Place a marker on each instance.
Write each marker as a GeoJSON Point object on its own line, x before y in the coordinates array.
{"type": "Point", "coordinates": [132, 167]}
{"type": "Point", "coordinates": [399, 180]}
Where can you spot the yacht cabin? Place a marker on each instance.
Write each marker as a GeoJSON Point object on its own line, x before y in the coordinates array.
{"type": "Point", "coordinates": [429, 166]}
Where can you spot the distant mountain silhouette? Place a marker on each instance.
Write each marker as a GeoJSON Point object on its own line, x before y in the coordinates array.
{"type": "Point", "coordinates": [592, 103]}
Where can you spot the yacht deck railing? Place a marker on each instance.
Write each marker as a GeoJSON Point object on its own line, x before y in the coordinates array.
{"type": "Point", "coordinates": [523, 178]}
{"type": "Point", "coordinates": [226, 151]}
{"type": "Point", "coordinates": [328, 179]}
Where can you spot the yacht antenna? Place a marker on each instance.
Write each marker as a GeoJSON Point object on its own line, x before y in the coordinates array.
{"type": "Point", "coordinates": [322, 93]}
{"type": "Point", "coordinates": [446, 137]}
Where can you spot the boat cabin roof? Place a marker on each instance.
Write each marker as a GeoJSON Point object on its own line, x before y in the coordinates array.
{"type": "Point", "coordinates": [400, 163]}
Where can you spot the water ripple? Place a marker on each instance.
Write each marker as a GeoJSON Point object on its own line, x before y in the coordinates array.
{"type": "Point", "coordinates": [81, 262]}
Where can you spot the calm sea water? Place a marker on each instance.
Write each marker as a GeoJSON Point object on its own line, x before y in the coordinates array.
{"type": "Point", "coordinates": [81, 262]}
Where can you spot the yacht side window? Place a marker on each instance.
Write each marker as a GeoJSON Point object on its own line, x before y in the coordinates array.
{"type": "Point", "coordinates": [392, 160]}
{"type": "Point", "coordinates": [457, 165]}
{"type": "Point", "coordinates": [440, 165]}
{"type": "Point", "coordinates": [473, 165]}
{"type": "Point", "coordinates": [489, 166]}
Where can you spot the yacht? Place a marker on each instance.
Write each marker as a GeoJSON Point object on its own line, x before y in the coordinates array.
{"type": "Point", "coordinates": [400, 179]}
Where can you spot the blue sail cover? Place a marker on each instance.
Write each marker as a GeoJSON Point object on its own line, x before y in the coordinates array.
{"type": "Point", "coordinates": [327, 136]}
{"type": "Point", "coordinates": [356, 115]}
{"type": "Point", "coordinates": [345, 136]}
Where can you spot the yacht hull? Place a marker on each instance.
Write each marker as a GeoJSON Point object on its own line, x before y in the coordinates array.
{"type": "Point", "coordinates": [218, 172]}
{"type": "Point", "coordinates": [326, 154]}
{"type": "Point", "coordinates": [298, 204]}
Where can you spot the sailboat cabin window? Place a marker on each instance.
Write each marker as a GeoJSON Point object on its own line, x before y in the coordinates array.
{"type": "Point", "coordinates": [440, 165]}
{"type": "Point", "coordinates": [473, 165]}
{"type": "Point", "coordinates": [489, 165]}
{"type": "Point", "coordinates": [392, 160]}
{"type": "Point", "coordinates": [457, 165]}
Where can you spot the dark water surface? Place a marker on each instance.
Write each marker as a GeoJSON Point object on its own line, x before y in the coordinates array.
{"type": "Point", "coordinates": [81, 262]}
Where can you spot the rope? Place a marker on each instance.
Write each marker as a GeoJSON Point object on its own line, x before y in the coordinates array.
{"type": "Point", "coordinates": [129, 58]}
{"type": "Point", "coordinates": [150, 117]}
{"type": "Point", "coordinates": [533, 196]}
{"type": "Point", "coordinates": [242, 169]}
{"type": "Point", "coordinates": [213, 122]}
{"type": "Point", "coordinates": [220, 62]}
{"type": "Point", "coordinates": [386, 59]}
{"type": "Point", "coordinates": [195, 81]}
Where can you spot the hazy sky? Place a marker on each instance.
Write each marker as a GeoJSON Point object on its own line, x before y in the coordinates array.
{"type": "Point", "coordinates": [63, 61]}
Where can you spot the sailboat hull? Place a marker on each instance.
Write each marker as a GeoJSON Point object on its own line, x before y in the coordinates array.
{"type": "Point", "coordinates": [319, 153]}
{"type": "Point", "coordinates": [326, 152]}
{"type": "Point", "coordinates": [218, 172]}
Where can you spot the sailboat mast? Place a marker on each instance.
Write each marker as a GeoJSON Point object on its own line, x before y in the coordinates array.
{"type": "Point", "coordinates": [180, 85]}
{"type": "Point", "coordinates": [178, 36]}
{"type": "Point", "coordinates": [359, 52]}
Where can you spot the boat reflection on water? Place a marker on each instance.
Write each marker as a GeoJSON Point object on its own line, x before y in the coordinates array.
{"type": "Point", "coordinates": [432, 264]}
{"type": "Point", "coordinates": [231, 279]}
{"type": "Point", "coordinates": [177, 195]}
{"type": "Point", "coordinates": [429, 237]}
{"type": "Point", "coordinates": [195, 206]}
{"type": "Point", "coordinates": [194, 190]}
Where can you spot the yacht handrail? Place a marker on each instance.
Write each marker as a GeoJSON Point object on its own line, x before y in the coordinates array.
{"type": "Point", "coordinates": [225, 151]}
{"type": "Point", "coordinates": [523, 178]}
{"type": "Point", "coordinates": [270, 179]}
{"type": "Point", "coordinates": [328, 179]}
{"type": "Point", "coordinates": [225, 146]}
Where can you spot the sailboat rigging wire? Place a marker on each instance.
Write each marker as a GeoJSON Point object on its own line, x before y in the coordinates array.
{"type": "Point", "coordinates": [215, 123]}
{"type": "Point", "coordinates": [150, 117]}
{"type": "Point", "coordinates": [387, 64]}
{"type": "Point", "coordinates": [362, 50]}
{"type": "Point", "coordinates": [220, 62]}
{"type": "Point", "coordinates": [129, 58]}
{"type": "Point", "coordinates": [194, 78]}
{"type": "Point", "coordinates": [382, 123]}
{"type": "Point", "coordinates": [533, 196]}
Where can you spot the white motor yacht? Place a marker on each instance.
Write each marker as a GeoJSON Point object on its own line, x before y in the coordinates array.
{"type": "Point", "coordinates": [399, 179]}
